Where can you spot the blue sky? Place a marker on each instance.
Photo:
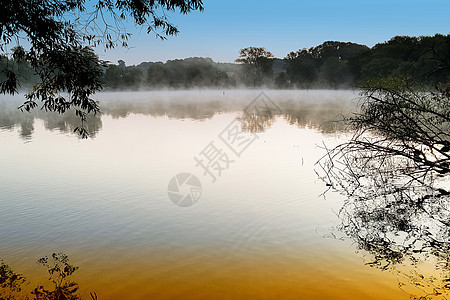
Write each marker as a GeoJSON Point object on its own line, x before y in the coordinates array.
{"type": "Point", "coordinates": [282, 26]}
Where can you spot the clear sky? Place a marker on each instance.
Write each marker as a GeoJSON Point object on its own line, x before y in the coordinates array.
{"type": "Point", "coordinates": [225, 26]}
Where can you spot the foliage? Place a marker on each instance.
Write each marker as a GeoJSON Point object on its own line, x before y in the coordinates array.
{"type": "Point", "coordinates": [398, 230]}
{"type": "Point", "coordinates": [59, 269]}
{"type": "Point", "coordinates": [335, 73]}
{"type": "Point", "coordinates": [330, 65]}
{"type": "Point", "coordinates": [121, 76]}
{"type": "Point", "coordinates": [417, 122]}
{"type": "Point", "coordinates": [60, 35]}
{"type": "Point", "coordinates": [250, 55]}
{"type": "Point", "coordinates": [401, 135]}
{"type": "Point", "coordinates": [342, 65]}
{"type": "Point", "coordinates": [10, 282]}
{"type": "Point", "coordinates": [418, 58]}
{"type": "Point", "coordinates": [394, 172]}
{"type": "Point", "coordinates": [188, 73]}
{"type": "Point", "coordinates": [258, 65]}
{"type": "Point", "coordinates": [323, 65]}
{"type": "Point", "coordinates": [301, 69]}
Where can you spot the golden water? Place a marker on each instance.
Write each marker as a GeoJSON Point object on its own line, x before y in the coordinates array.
{"type": "Point", "coordinates": [262, 230]}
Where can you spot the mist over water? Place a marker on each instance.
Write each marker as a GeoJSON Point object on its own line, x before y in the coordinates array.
{"type": "Point", "coordinates": [315, 108]}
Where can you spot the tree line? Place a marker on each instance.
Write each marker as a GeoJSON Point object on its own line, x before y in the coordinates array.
{"type": "Point", "coordinates": [330, 65]}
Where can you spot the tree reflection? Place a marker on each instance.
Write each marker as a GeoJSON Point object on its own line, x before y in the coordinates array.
{"type": "Point", "coordinates": [396, 213]}
{"type": "Point", "coordinates": [397, 234]}
{"type": "Point", "coordinates": [11, 116]}
{"type": "Point", "coordinates": [61, 287]}
{"type": "Point", "coordinates": [10, 282]}
{"type": "Point", "coordinates": [321, 116]}
{"type": "Point", "coordinates": [317, 113]}
{"type": "Point", "coordinates": [395, 174]}
{"type": "Point", "coordinates": [257, 121]}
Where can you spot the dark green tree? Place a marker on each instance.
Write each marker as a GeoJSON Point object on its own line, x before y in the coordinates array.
{"type": "Point", "coordinates": [257, 65]}
{"type": "Point", "coordinates": [341, 50]}
{"type": "Point", "coordinates": [301, 68]}
{"type": "Point", "coordinates": [60, 35]}
{"type": "Point", "coordinates": [282, 81]}
{"type": "Point", "coordinates": [394, 173]}
{"type": "Point", "coordinates": [122, 76]}
{"type": "Point", "coordinates": [158, 75]}
{"type": "Point", "coordinates": [324, 65]}
{"type": "Point", "coordinates": [187, 73]}
{"type": "Point", "coordinates": [420, 59]}
{"type": "Point", "coordinates": [335, 73]}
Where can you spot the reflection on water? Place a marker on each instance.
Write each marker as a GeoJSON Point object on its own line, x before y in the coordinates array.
{"type": "Point", "coordinates": [59, 287]}
{"type": "Point", "coordinates": [408, 239]}
{"type": "Point", "coordinates": [11, 116]}
{"type": "Point", "coordinates": [396, 211]}
{"type": "Point", "coordinates": [314, 109]}
{"type": "Point", "coordinates": [256, 233]}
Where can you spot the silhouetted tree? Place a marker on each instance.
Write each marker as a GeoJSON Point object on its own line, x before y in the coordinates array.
{"type": "Point", "coordinates": [122, 76]}
{"type": "Point", "coordinates": [401, 230]}
{"type": "Point", "coordinates": [60, 50]}
{"type": "Point", "coordinates": [257, 64]}
{"type": "Point", "coordinates": [323, 65]}
{"type": "Point", "coordinates": [414, 57]}
{"type": "Point", "coordinates": [250, 55]}
{"type": "Point", "coordinates": [187, 73]}
{"type": "Point", "coordinates": [59, 269]}
{"type": "Point", "coordinates": [158, 75]}
{"type": "Point", "coordinates": [10, 282]}
{"type": "Point", "coordinates": [302, 68]}
{"type": "Point", "coordinates": [282, 81]}
{"type": "Point", "coordinates": [335, 73]}
{"type": "Point", "coordinates": [394, 172]}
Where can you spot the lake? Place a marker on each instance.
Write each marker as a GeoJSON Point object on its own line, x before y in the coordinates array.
{"type": "Point", "coordinates": [182, 194]}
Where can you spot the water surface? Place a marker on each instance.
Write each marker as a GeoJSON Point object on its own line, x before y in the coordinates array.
{"type": "Point", "coordinates": [263, 229]}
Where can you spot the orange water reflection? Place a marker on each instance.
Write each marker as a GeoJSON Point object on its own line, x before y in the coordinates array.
{"type": "Point", "coordinates": [261, 231]}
